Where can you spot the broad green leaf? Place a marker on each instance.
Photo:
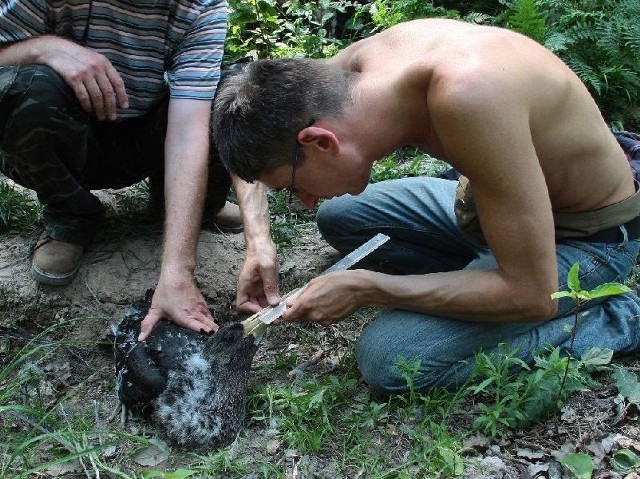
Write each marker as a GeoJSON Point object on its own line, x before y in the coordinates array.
{"type": "Point", "coordinates": [608, 289]}
{"type": "Point", "coordinates": [597, 356]}
{"type": "Point", "coordinates": [573, 280]}
{"type": "Point", "coordinates": [579, 464]}
{"type": "Point", "coordinates": [562, 294]}
{"type": "Point", "coordinates": [453, 461]}
{"type": "Point", "coordinates": [625, 460]}
{"type": "Point", "coordinates": [179, 474]}
{"type": "Point", "coordinates": [583, 294]}
{"type": "Point", "coordinates": [483, 385]}
{"type": "Point", "coordinates": [152, 474]}
{"type": "Point", "coordinates": [628, 384]}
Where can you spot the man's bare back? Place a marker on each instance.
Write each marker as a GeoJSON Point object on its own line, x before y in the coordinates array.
{"type": "Point", "coordinates": [530, 89]}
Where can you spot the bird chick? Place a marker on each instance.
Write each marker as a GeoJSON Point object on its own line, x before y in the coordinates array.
{"type": "Point", "coordinates": [190, 385]}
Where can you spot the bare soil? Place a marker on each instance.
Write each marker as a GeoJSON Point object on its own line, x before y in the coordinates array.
{"type": "Point", "coordinates": [117, 272]}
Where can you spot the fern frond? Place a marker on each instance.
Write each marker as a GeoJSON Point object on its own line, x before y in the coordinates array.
{"type": "Point", "coordinates": [585, 72]}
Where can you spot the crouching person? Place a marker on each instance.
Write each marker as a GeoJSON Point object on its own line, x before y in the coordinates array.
{"type": "Point", "coordinates": [472, 263]}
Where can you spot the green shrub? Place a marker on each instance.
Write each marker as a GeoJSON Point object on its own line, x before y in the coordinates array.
{"type": "Point", "coordinates": [600, 41]}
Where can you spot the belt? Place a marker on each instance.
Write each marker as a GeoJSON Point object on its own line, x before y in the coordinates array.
{"type": "Point", "coordinates": [613, 234]}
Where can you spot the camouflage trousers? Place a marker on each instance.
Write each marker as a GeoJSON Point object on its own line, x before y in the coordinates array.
{"type": "Point", "coordinates": [49, 144]}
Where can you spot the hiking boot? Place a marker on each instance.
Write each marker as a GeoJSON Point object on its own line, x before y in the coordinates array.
{"type": "Point", "coordinates": [55, 262]}
{"type": "Point", "coordinates": [227, 220]}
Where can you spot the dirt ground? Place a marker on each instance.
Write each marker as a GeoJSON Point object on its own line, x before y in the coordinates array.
{"type": "Point", "coordinates": [117, 271]}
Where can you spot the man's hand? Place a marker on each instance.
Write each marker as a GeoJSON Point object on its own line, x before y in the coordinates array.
{"type": "Point", "coordinates": [180, 302]}
{"type": "Point", "coordinates": [94, 80]}
{"type": "Point", "coordinates": [258, 280]}
{"type": "Point", "coordinates": [176, 297]}
{"type": "Point", "coordinates": [326, 299]}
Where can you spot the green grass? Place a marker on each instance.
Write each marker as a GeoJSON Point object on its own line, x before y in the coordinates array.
{"type": "Point", "coordinates": [19, 212]}
{"type": "Point", "coordinates": [330, 417]}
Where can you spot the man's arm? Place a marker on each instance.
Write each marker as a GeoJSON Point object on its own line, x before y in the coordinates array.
{"type": "Point", "coordinates": [485, 133]}
{"type": "Point", "coordinates": [258, 280]}
{"type": "Point", "coordinates": [186, 158]}
{"type": "Point", "coordinates": [94, 80]}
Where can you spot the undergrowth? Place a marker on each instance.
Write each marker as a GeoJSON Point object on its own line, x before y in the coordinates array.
{"type": "Point", "coordinates": [19, 211]}
{"type": "Point", "coordinates": [314, 416]}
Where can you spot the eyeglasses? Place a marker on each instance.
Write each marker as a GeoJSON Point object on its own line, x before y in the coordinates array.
{"type": "Point", "coordinates": [292, 188]}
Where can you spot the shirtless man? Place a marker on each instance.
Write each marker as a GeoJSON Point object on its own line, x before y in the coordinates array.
{"type": "Point", "coordinates": [545, 185]}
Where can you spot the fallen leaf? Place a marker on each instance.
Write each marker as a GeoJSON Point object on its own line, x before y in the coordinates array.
{"type": "Point", "coordinates": [529, 453]}
{"type": "Point", "coordinates": [580, 465]}
{"type": "Point", "coordinates": [628, 384]}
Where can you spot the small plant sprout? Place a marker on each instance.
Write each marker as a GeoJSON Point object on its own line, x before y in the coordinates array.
{"type": "Point", "coordinates": [581, 296]}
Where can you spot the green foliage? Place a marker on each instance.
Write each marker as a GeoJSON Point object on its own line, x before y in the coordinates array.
{"type": "Point", "coordinates": [628, 385]}
{"type": "Point", "coordinates": [579, 295]}
{"type": "Point", "coordinates": [386, 13]}
{"type": "Point", "coordinates": [304, 410]}
{"type": "Point", "coordinates": [517, 400]}
{"type": "Point", "coordinates": [626, 461]}
{"type": "Point", "coordinates": [271, 29]}
{"type": "Point", "coordinates": [403, 164]}
{"type": "Point", "coordinates": [18, 211]}
{"type": "Point", "coordinates": [580, 465]}
{"type": "Point", "coordinates": [526, 19]}
{"type": "Point", "coordinates": [323, 414]}
{"type": "Point", "coordinates": [600, 41]}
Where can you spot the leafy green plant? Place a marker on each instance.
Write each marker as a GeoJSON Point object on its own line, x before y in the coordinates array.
{"type": "Point", "coordinates": [517, 399]}
{"type": "Point", "coordinates": [18, 211]}
{"type": "Point", "coordinates": [387, 13]}
{"type": "Point", "coordinates": [580, 297]}
{"type": "Point", "coordinates": [527, 19]}
{"type": "Point", "coordinates": [628, 385]}
{"type": "Point", "coordinates": [304, 410]}
{"type": "Point", "coordinates": [403, 164]}
{"type": "Point", "coordinates": [433, 444]}
{"type": "Point", "coordinates": [626, 461]}
{"type": "Point", "coordinates": [271, 28]}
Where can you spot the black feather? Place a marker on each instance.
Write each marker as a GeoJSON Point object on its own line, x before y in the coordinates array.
{"type": "Point", "coordinates": [190, 385]}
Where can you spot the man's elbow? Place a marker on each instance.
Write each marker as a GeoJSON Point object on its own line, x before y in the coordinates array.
{"type": "Point", "coordinates": [537, 307]}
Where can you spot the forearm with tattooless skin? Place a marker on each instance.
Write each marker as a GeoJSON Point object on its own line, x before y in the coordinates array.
{"type": "Point", "coordinates": [254, 206]}
{"type": "Point", "coordinates": [469, 295]}
{"type": "Point", "coordinates": [31, 50]}
{"type": "Point", "coordinates": [186, 153]}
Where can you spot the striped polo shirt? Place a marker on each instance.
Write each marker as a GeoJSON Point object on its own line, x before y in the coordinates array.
{"type": "Point", "coordinates": [157, 46]}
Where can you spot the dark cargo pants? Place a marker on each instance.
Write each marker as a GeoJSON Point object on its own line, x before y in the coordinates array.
{"type": "Point", "coordinates": [49, 144]}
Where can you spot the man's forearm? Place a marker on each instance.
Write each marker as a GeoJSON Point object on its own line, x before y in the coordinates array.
{"type": "Point", "coordinates": [254, 207]}
{"type": "Point", "coordinates": [468, 295]}
{"type": "Point", "coordinates": [31, 50]}
{"type": "Point", "coordinates": [186, 159]}
{"type": "Point", "coordinates": [184, 197]}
